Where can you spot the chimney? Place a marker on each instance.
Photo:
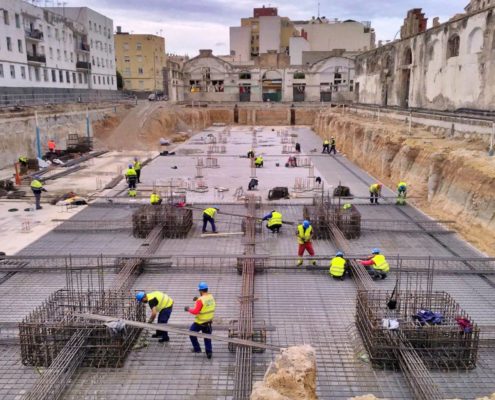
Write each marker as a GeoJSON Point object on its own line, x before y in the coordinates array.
{"type": "Point", "coordinates": [119, 29]}
{"type": "Point", "coordinates": [436, 22]}
{"type": "Point", "coordinates": [205, 53]}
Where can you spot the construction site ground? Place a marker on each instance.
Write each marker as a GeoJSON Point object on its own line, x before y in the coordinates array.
{"type": "Point", "coordinates": [299, 306]}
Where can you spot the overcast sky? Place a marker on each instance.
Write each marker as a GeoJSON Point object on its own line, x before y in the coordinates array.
{"type": "Point", "coordinates": [189, 25]}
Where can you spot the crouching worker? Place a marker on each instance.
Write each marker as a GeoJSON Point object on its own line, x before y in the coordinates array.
{"type": "Point", "coordinates": [338, 266]}
{"type": "Point", "coordinates": [376, 265]}
{"type": "Point", "coordinates": [161, 304]}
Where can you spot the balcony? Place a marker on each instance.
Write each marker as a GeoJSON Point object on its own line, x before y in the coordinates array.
{"type": "Point", "coordinates": [34, 34]}
{"type": "Point", "coordinates": [83, 65]}
{"type": "Point", "coordinates": [82, 47]}
{"type": "Point", "coordinates": [36, 58]}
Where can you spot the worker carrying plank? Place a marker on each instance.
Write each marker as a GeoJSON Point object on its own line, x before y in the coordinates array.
{"type": "Point", "coordinates": [204, 311]}
{"type": "Point", "coordinates": [209, 216]}
{"type": "Point", "coordinates": [376, 265]}
{"type": "Point", "coordinates": [304, 236]}
{"type": "Point", "coordinates": [274, 221]}
{"type": "Point", "coordinates": [161, 304]}
{"type": "Point", "coordinates": [338, 266]}
{"type": "Point", "coordinates": [375, 192]}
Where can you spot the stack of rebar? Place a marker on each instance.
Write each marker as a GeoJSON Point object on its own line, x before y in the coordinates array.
{"type": "Point", "coordinates": [176, 221]}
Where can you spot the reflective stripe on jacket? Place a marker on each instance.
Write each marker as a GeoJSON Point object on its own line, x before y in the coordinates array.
{"type": "Point", "coordinates": [211, 212]}
{"type": "Point", "coordinates": [276, 219]}
{"type": "Point", "coordinates": [304, 236]}
{"type": "Point", "coordinates": [207, 311]}
{"type": "Point", "coordinates": [164, 300]}
{"type": "Point", "coordinates": [381, 263]}
{"type": "Point", "coordinates": [337, 266]}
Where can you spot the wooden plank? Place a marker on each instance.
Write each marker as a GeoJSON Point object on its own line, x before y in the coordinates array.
{"type": "Point", "coordinates": [168, 328]}
{"type": "Point", "coordinates": [220, 234]}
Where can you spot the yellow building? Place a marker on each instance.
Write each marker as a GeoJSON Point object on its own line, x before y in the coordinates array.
{"type": "Point", "coordinates": [141, 60]}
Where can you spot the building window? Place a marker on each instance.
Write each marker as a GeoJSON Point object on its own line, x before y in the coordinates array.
{"type": "Point", "coordinates": [9, 44]}
{"type": "Point", "coordinates": [67, 76]}
{"type": "Point", "coordinates": [60, 76]}
{"type": "Point", "coordinates": [127, 71]}
{"type": "Point", "coordinates": [141, 84]}
{"type": "Point", "coordinates": [54, 76]}
{"type": "Point", "coordinates": [58, 54]}
{"type": "Point", "coordinates": [99, 80]}
{"type": "Point", "coordinates": [12, 72]}
{"type": "Point", "coordinates": [112, 79]}
{"type": "Point", "coordinates": [1, 70]}
{"type": "Point", "coordinates": [90, 26]}
{"type": "Point", "coordinates": [37, 74]}
{"type": "Point", "coordinates": [6, 17]}
{"type": "Point", "coordinates": [65, 55]}
{"type": "Point", "coordinates": [453, 46]}
{"type": "Point", "coordinates": [79, 75]}
{"type": "Point", "coordinates": [140, 71]}
{"type": "Point", "coordinates": [110, 48]}
{"type": "Point", "coordinates": [49, 31]}
{"type": "Point", "coordinates": [56, 34]}
{"type": "Point", "coordinates": [139, 46]}
{"type": "Point", "coordinates": [408, 57]}
{"type": "Point", "coordinates": [139, 58]}
{"type": "Point", "coordinates": [299, 75]}
{"type": "Point", "coordinates": [94, 79]}
{"type": "Point", "coordinates": [126, 46]}
{"type": "Point", "coordinates": [17, 21]}
{"type": "Point", "coordinates": [71, 57]}
{"type": "Point", "coordinates": [127, 59]}
{"type": "Point", "coordinates": [85, 78]}
{"type": "Point", "coordinates": [45, 75]}
{"type": "Point", "coordinates": [74, 77]}
{"type": "Point", "coordinates": [19, 45]}
{"type": "Point", "coordinates": [23, 72]}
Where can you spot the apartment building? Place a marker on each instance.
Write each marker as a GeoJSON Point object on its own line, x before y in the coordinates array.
{"type": "Point", "coordinates": [43, 48]}
{"type": "Point", "coordinates": [141, 60]}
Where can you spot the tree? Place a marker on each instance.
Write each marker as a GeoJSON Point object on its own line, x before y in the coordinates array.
{"type": "Point", "coordinates": [120, 81]}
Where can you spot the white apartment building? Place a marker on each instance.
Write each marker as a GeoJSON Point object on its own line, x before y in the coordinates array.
{"type": "Point", "coordinates": [40, 48]}
{"type": "Point", "coordinates": [99, 31]}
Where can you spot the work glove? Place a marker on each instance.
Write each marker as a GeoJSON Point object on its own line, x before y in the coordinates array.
{"type": "Point", "coordinates": [186, 308]}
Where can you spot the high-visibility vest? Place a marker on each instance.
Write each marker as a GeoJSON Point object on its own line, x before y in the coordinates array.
{"type": "Point", "coordinates": [132, 192]}
{"type": "Point", "coordinates": [208, 311]}
{"type": "Point", "coordinates": [347, 206]}
{"type": "Point", "coordinates": [210, 212]}
{"type": "Point", "coordinates": [374, 188]}
{"type": "Point", "coordinates": [36, 184]}
{"type": "Point", "coordinates": [276, 219]}
{"type": "Point", "coordinates": [23, 159]}
{"type": "Point", "coordinates": [164, 300]}
{"type": "Point", "coordinates": [326, 142]}
{"type": "Point", "coordinates": [131, 172]}
{"type": "Point", "coordinates": [381, 263]}
{"type": "Point", "coordinates": [154, 198]}
{"type": "Point", "coordinates": [258, 160]}
{"type": "Point", "coordinates": [337, 266]}
{"type": "Point", "coordinates": [304, 236]}
{"type": "Point", "coordinates": [137, 165]}
{"type": "Point", "coordinates": [402, 185]}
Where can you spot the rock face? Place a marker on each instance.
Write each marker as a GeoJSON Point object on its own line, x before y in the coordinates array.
{"type": "Point", "coordinates": [449, 178]}
{"type": "Point", "coordinates": [292, 376]}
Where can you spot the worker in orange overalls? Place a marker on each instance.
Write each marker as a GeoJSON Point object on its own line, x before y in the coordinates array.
{"type": "Point", "coordinates": [51, 146]}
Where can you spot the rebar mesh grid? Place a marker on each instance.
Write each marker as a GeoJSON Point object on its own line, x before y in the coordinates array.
{"type": "Point", "coordinates": [49, 328]}
{"type": "Point", "coordinates": [444, 347]}
{"type": "Point", "coordinates": [176, 221]}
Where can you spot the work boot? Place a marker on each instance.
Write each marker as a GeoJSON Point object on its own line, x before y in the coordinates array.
{"type": "Point", "coordinates": [195, 351]}
{"type": "Point", "coordinates": [156, 335]}
{"type": "Point", "coordinates": [313, 263]}
{"type": "Point", "coordinates": [299, 263]}
{"type": "Point", "coordinates": [209, 355]}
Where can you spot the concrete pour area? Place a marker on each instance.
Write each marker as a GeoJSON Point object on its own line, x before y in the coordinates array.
{"type": "Point", "coordinates": [298, 306]}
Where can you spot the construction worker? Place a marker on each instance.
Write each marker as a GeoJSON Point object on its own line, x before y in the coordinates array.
{"type": "Point", "coordinates": [291, 162]}
{"type": "Point", "coordinates": [253, 184]}
{"type": "Point", "coordinates": [137, 168]}
{"type": "Point", "coordinates": [258, 163]}
{"type": "Point", "coordinates": [23, 160]}
{"type": "Point", "coordinates": [204, 310]}
{"type": "Point", "coordinates": [326, 146]}
{"type": "Point", "coordinates": [375, 192]}
{"type": "Point", "coordinates": [250, 154]}
{"type": "Point", "coordinates": [209, 216]}
{"type": "Point", "coordinates": [37, 188]}
{"type": "Point", "coordinates": [132, 192]}
{"type": "Point", "coordinates": [274, 221]}
{"type": "Point", "coordinates": [346, 206]}
{"type": "Point", "coordinates": [155, 198]}
{"type": "Point", "coordinates": [131, 176]}
{"type": "Point", "coordinates": [376, 265]}
{"type": "Point", "coordinates": [332, 146]}
{"type": "Point", "coordinates": [51, 146]}
{"type": "Point", "coordinates": [304, 236]}
{"type": "Point", "coordinates": [161, 304]}
{"type": "Point", "coordinates": [338, 266]}
{"type": "Point", "coordinates": [401, 193]}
